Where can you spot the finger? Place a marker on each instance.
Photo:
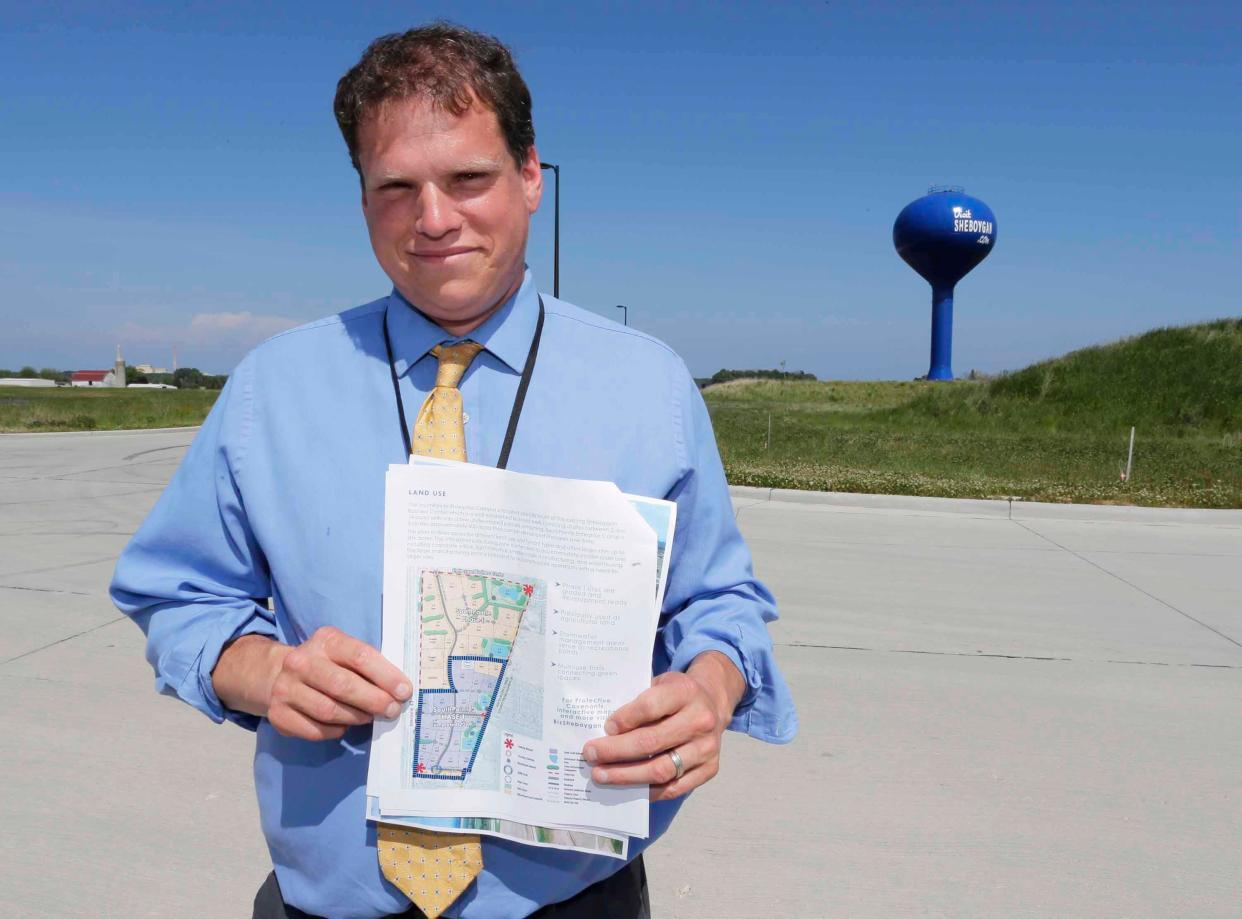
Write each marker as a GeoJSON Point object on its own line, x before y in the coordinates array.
{"type": "Point", "coordinates": [644, 742]}
{"type": "Point", "coordinates": [292, 723]}
{"type": "Point", "coordinates": [367, 662]}
{"type": "Point", "coordinates": [659, 701]}
{"type": "Point", "coordinates": [687, 783]}
{"type": "Point", "coordinates": [347, 687]}
{"type": "Point", "coordinates": [660, 769]}
{"type": "Point", "coordinates": [314, 705]}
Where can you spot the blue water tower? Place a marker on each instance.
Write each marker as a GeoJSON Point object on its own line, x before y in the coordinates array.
{"type": "Point", "coordinates": [942, 236]}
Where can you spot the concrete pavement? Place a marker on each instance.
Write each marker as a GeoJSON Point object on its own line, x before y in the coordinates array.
{"type": "Point", "coordinates": [1034, 715]}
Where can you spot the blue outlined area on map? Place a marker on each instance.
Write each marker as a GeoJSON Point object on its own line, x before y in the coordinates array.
{"type": "Point", "coordinates": [461, 732]}
{"type": "Point", "coordinates": [467, 632]}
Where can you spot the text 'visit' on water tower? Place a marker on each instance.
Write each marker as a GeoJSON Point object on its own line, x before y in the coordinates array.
{"type": "Point", "coordinates": [942, 236]}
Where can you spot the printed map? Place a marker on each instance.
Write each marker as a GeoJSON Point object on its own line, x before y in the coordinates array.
{"type": "Point", "coordinates": [468, 624]}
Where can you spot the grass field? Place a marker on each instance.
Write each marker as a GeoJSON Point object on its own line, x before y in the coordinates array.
{"type": "Point", "coordinates": [90, 409]}
{"type": "Point", "coordinates": [1055, 431]}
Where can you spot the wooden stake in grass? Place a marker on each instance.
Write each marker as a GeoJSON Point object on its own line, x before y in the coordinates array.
{"type": "Point", "coordinates": [1125, 476]}
{"type": "Point", "coordinates": [768, 443]}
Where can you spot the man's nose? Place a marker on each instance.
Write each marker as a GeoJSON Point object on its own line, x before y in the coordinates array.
{"type": "Point", "coordinates": [436, 213]}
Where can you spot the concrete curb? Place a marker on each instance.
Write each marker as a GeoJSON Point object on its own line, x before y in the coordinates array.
{"type": "Point", "coordinates": [1028, 510]}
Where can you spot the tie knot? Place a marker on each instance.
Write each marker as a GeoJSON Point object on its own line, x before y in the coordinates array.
{"type": "Point", "coordinates": [454, 359]}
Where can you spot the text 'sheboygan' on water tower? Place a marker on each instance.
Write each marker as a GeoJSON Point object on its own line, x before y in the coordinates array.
{"type": "Point", "coordinates": [942, 236]}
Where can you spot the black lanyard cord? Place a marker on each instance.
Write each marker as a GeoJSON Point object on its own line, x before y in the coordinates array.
{"type": "Point", "coordinates": [518, 401]}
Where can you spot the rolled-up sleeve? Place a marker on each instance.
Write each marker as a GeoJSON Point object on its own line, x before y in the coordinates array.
{"type": "Point", "coordinates": [194, 577]}
{"type": "Point", "coordinates": [713, 601]}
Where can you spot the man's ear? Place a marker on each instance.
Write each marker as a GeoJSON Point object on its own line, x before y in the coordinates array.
{"type": "Point", "coordinates": [362, 190]}
{"type": "Point", "coordinates": [532, 180]}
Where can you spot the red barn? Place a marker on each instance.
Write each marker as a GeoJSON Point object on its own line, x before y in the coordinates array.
{"type": "Point", "coordinates": [93, 378]}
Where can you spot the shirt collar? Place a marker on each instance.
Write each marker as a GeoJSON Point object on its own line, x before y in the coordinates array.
{"type": "Point", "coordinates": [507, 333]}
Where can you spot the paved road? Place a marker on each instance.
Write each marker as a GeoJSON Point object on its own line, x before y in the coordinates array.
{"type": "Point", "coordinates": [1036, 716]}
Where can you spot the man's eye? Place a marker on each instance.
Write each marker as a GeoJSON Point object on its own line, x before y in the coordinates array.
{"type": "Point", "coordinates": [471, 176]}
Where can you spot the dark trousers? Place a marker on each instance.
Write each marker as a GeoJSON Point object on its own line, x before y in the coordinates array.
{"type": "Point", "coordinates": [622, 896]}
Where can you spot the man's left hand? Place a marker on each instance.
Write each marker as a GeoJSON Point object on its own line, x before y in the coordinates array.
{"type": "Point", "coordinates": [686, 712]}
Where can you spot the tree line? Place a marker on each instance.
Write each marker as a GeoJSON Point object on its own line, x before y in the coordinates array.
{"type": "Point", "coordinates": [182, 377]}
{"type": "Point", "coordinates": [724, 376]}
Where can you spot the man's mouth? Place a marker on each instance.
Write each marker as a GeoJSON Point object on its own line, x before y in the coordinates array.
{"type": "Point", "coordinates": [441, 256]}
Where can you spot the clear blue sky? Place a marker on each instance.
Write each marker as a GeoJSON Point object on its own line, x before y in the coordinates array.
{"type": "Point", "coordinates": [171, 173]}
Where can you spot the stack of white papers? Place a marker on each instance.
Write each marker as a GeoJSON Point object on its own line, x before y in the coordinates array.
{"type": "Point", "coordinates": [523, 609]}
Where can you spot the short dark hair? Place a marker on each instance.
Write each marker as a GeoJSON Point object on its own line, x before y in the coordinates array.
{"type": "Point", "coordinates": [449, 66]}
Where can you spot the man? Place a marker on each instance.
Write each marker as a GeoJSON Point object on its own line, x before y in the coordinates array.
{"type": "Point", "coordinates": [281, 496]}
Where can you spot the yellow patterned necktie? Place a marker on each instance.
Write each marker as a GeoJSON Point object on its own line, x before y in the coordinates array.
{"type": "Point", "coordinates": [433, 869]}
{"type": "Point", "coordinates": [439, 429]}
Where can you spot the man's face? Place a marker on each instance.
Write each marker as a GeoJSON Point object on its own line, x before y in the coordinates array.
{"type": "Point", "coordinates": [447, 209]}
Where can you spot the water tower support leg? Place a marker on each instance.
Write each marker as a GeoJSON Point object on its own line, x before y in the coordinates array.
{"type": "Point", "coordinates": [942, 334]}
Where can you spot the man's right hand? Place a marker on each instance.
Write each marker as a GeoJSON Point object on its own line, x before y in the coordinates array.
{"type": "Point", "coordinates": [314, 691]}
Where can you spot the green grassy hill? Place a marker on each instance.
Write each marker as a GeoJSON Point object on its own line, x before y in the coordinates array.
{"type": "Point", "coordinates": [1055, 431]}
{"type": "Point", "coordinates": [1173, 380]}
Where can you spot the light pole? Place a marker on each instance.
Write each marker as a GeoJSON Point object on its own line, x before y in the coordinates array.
{"type": "Point", "coordinates": [625, 314]}
{"type": "Point", "coordinates": [556, 229]}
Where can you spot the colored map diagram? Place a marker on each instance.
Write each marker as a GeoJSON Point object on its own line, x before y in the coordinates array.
{"type": "Point", "coordinates": [467, 627]}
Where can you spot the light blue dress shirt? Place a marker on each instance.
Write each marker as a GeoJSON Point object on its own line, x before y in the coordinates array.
{"type": "Point", "coordinates": [282, 492]}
